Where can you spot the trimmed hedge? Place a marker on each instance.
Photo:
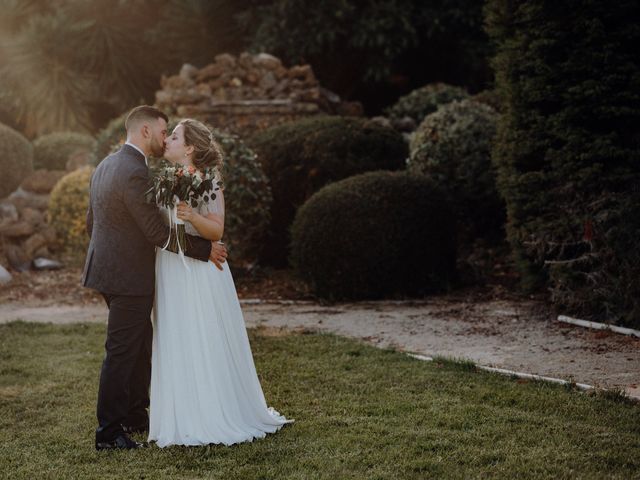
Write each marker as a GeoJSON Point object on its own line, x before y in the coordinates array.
{"type": "Point", "coordinates": [68, 206]}
{"type": "Point", "coordinates": [453, 147]}
{"type": "Point", "coordinates": [52, 151]}
{"type": "Point", "coordinates": [16, 159]}
{"type": "Point", "coordinates": [375, 235]}
{"type": "Point", "coordinates": [425, 100]}
{"type": "Point", "coordinates": [301, 157]}
{"type": "Point", "coordinates": [568, 150]}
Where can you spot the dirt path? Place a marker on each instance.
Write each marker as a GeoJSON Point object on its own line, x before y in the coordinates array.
{"type": "Point", "coordinates": [517, 336]}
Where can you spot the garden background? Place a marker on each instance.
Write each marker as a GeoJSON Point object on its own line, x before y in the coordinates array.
{"type": "Point", "coordinates": [390, 151]}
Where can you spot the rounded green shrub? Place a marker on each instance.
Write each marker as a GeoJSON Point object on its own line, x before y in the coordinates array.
{"type": "Point", "coordinates": [110, 138]}
{"type": "Point", "coordinates": [453, 147]}
{"type": "Point", "coordinates": [301, 157]}
{"type": "Point", "coordinates": [424, 100]}
{"type": "Point", "coordinates": [16, 159]}
{"type": "Point", "coordinates": [375, 235]}
{"type": "Point", "coordinates": [247, 198]}
{"type": "Point", "coordinates": [52, 151]}
{"type": "Point", "coordinates": [68, 205]}
{"type": "Point", "coordinates": [489, 97]}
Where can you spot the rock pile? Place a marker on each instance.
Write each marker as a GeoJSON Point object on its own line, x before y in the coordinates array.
{"type": "Point", "coordinates": [24, 231]}
{"type": "Point", "coordinates": [249, 93]}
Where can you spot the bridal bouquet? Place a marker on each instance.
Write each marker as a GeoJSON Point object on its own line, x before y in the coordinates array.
{"type": "Point", "coordinates": [174, 184]}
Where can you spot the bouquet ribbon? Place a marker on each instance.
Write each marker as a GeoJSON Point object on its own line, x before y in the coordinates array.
{"type": "Point", "coordinates": [174, 223]}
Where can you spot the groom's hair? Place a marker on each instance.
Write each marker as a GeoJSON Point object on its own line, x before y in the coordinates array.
{"type": "Point", "coordinates": [144, 112]}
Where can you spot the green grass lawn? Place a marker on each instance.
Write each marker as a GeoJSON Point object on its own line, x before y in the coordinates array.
{"type": "Point", "coordinates": [360, 412]}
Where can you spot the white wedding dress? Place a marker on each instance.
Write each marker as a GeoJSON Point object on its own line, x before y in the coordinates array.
{"type": "Point", "coordinates": [204, 386]}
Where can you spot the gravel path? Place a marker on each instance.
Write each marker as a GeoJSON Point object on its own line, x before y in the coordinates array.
{"type": "Point", "coordinates": [517, 336]}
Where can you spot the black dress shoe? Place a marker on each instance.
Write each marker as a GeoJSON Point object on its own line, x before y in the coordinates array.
{"type": "Point", "coordinates": [120, 442]}
{"type": "Point", "coordinates": [143, 428]}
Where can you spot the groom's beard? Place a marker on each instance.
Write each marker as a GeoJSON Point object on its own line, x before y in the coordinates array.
{"type": "Point", "coordinates": [157, 149]}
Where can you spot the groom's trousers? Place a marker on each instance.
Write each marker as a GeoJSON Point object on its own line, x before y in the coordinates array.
{"type": "Point", "coordinates": [123, 395]}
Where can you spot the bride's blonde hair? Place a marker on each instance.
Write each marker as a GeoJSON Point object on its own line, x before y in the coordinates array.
{"type": "Point", "coordinates": [206, 151]}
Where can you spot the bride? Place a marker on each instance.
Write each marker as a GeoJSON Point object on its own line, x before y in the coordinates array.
{"type": "Point", "coordinates": [204, 386]}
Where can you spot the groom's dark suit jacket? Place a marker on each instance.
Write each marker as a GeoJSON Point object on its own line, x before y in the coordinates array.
{"type": "Point", "coordinates": [125, 229]}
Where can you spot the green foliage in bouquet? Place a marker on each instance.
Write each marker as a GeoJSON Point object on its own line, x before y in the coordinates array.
{"type": "Point", "coordinates": [568, 149]}
{"type": "Point", "coordinates": [68, 205]}
{"type": "Point", "coordinates": [375, 235]}
{"type": "Point", "coordinates": [453, 147]}
{"type": "Point", "coordinates": [16, 159]}
{"type": "Point", "coordinates": [424, 100]}
{"type": "Point", "coordinates": [172, 184]}
{"type": "Point", "coordinates": [301, 157]}
{"type": "Point", "coordinates": [52, 151]}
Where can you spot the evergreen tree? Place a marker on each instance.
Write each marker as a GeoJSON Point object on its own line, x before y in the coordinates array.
{"type": "Point", "coordinates": [567, 148]}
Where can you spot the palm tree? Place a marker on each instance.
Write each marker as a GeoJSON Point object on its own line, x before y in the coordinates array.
{"type": "Point", "coordinates": [48, 93]}
{"type": "Point", "coordinates": [112, 48]}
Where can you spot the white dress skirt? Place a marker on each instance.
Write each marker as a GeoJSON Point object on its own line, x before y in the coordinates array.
{"type": "Point", "coordinates": [204, 385]}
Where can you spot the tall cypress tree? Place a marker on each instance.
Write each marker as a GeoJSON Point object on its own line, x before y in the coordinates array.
{"type": "Point", "coordinates": [567, 149]}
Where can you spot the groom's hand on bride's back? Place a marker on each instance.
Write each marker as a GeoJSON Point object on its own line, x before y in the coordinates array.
{"type": "Point", "coordinates": [218, 254]}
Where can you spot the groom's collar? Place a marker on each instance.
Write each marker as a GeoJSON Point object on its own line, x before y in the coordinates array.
{"type": "Point", "coordinates": [137, 149]}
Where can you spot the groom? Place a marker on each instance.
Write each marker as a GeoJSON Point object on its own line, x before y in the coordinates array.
{"type": "Point", "coordinates": [124, 230]}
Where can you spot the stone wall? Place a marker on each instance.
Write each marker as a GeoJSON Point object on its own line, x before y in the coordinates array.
{"type": "Point", "coordinates": [249, 93]}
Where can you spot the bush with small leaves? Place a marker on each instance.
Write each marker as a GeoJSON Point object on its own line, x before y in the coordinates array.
{"type": "Point", "coordinates": [16, 159]}
{"type": "Point", "coordinates": [489, 97]}
{"type": "Point", "coordinates": [247, 198]}
{"type": "Point", "coordinates": [375, 235]}
{"type": "Point", "coordinates": [68, 205]}
{"type": "Point", "coordinates": [424, 100]}
{"type": "Point", "coordinates": [453, 147]}
{"type": "Point", "coordinates": [301, 157]}
{"type": "Point", "coordinates": [110, 138]}
{"type": "Point", "coordinates": [54, 150]}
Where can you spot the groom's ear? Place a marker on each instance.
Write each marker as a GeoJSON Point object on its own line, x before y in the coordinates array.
{"type": "Point", "coordinates": [146, 131]}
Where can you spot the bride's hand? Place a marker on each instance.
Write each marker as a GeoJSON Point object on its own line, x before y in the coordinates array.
{"type": "Point", "coordinates": [185, 212]}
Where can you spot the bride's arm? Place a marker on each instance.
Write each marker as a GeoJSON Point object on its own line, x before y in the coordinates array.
{"type": "Point", "coordinates": [209, 226]}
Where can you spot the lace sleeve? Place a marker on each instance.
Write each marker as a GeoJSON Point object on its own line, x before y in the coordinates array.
{"type": "Point", "coordinates": [214, 205]}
